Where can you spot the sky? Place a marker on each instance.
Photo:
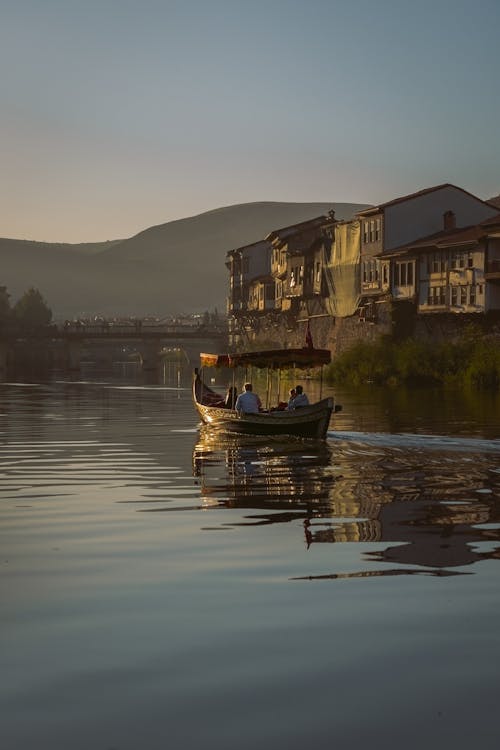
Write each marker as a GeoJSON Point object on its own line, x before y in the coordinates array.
{"type": "Point", "coordinates": [117, 115]}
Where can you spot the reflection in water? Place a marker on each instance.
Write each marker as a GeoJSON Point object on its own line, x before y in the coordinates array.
{"type": "Point", "coordinates": [431, 508]}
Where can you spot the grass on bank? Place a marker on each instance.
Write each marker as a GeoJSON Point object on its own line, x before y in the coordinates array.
{"type": "Point", "coordinates": [473, 360]}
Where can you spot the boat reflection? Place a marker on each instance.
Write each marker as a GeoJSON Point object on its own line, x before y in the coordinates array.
{"type": "Point", "coordinates": [435, 511]}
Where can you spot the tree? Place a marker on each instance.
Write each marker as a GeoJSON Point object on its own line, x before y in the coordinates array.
{"type": "Point", "coordinates": [5, 310]}
{"type": "Point", "coordinates": [32, 312]}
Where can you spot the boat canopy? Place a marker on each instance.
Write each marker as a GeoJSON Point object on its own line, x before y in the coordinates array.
{"type": "Point", "coordinates": [273, 359]}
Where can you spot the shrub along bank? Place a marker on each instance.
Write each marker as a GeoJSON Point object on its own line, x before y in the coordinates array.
{"type": "Point", "coordinates": [472, 360]}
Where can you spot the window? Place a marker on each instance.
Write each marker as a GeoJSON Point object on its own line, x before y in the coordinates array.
{"type": "Point", "coordinates": [472, 295]}
{"type": "Point", "coordinates": [470, 260]}
{"type": "Point", "coordinates": [365, 231]}
{"type": "Point", "coordinates": [437, 295]}
{"type": "Point", "coordinates": [463, 295]}
{"type": "Point", "coordinates": [402, 272]}
{"type": "Point", "coordinates": [372, 231]}
{"type": "Point", "coordinates": [454, 296]}
{"type": "Point", "coordinates": [378, 232]}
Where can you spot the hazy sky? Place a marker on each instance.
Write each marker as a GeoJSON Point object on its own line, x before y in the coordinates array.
{"type": "Point", "coordinates": [120, 114]}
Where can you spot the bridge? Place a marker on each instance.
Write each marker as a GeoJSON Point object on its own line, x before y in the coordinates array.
{"type": "Point", "coordinates": [66, 343]}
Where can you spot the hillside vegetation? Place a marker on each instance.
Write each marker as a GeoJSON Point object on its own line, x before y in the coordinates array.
{"type": "Point", "coordinates": [167, 269]}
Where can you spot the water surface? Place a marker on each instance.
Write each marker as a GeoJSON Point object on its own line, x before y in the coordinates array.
{"type": "Point", "coordinates": [163, 587]}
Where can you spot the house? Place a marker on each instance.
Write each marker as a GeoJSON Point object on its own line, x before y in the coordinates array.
{"type": "Point", "coordinates": [398, 222]}
{"type": "Point", "coordinates": [455, 270]}
{"type": "Point", "coordinates": [297, 261]}
{"type": "Point", "coordinates": [245, 264]}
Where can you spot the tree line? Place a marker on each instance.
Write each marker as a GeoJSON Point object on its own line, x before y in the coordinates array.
{"type": "Point", "coordinates": [27, 317]}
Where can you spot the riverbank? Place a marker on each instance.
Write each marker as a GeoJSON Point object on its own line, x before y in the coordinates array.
{"type": "Point", "coordinates": [473, 360]}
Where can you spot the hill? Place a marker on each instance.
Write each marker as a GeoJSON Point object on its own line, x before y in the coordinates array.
{"type": "Point", "coordinates": [177, 267]}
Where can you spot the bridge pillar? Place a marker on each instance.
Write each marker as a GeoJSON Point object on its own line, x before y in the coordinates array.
{"type": "Point", "coordinates": [4, 357]}
{"type": "Point", "coordinates": [151, 357]}
{"type": "Point", "coordinates": [73, 355]}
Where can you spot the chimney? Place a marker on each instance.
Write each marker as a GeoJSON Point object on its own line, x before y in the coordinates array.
{"type": "Point", "coordinates": [449, 220]}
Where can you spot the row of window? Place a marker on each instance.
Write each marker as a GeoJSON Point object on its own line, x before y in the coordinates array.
{"type": "Point", "coordinates": [456, 260]}
{"type": "Point", "coordinates": [457, 295]}
{"type": "Point", "coordinates": [403, 274]}
{"type": "Point", "coordinates": [372, 231]}
{"type": "Point", "coordinates": [371, 271]}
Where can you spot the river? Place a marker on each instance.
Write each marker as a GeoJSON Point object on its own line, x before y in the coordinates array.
{"type": "Point", "coordinates": [161, 588]}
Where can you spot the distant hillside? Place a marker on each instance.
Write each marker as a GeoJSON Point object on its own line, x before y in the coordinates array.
{"type": "Point", "coordinates": [171, 268]}
{"type": "Point", "coordinates": [495, 201]}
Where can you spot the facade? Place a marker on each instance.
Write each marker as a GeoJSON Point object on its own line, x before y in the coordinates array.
{"type": "Point", "coordinates": [297, 263]}
{"type": "Point", "coordinates": [261, 294]}
{"type": "Point", "coordinates": [245, 264]}
{"type": "Point", "coordinates": [437, 250]}
{"type": "Point", "coordinates": [452, 271]}
{"type": "Point", "coordinates": [403, 220]}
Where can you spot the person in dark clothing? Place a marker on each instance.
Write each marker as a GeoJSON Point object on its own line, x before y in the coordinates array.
{"type": "Point", "coordinates": [231, 396]}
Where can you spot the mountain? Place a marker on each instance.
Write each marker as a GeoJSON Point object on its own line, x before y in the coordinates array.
{"type": "Point", "coordinates": [495, 201]}
{"type": "Point", "coordinates": [172, 268]}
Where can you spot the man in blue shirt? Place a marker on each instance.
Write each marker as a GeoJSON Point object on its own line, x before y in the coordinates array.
{"type": "Point", "coordinates": [248, 402]}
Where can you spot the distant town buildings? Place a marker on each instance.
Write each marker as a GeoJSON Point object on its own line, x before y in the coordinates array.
{"type": "Point", "coordinates": [436, 251]}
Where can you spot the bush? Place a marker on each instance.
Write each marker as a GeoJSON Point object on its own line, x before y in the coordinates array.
{"type": "Point", "coordinates": [474, 360]}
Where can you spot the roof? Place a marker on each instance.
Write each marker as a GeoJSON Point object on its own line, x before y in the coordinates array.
{"type": "Point", "coordinates": [495, 201]}
{"type": "Point", "coordinates": [262, 279]}
{"type": "Point", "coordinates": [285, 232]}
{"type": "Point", "coordinates": [271, 359]}
{"type": "Point", "coordinates": [247, 247]}
{"type": "Point", "coordinates": [448, 237]}
{"type": "Point", "coordinates": [412, 196]}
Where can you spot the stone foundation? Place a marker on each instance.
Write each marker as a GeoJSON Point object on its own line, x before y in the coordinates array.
{"type": "Point", "coordinates": [398, 320]}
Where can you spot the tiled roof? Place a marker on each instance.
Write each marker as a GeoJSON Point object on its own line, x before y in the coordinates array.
{"type": "Point", "coordinates": [492, 221]}
{"type": "Point", "coordinates": [448, 237]}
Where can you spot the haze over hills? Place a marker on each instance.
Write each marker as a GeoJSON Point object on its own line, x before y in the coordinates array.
{"type": "Point", "coordinates": [172, 268]}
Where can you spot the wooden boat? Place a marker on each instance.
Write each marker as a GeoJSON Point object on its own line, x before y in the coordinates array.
{"type": "Point", "coordinates": [310, 421]}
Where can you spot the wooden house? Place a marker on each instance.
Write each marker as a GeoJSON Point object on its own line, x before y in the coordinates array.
{"type": "Point", "coordinates": [455, 270]}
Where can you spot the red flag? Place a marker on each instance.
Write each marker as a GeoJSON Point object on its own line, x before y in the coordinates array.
{"type": "Point", "coordinates": [309, 338]}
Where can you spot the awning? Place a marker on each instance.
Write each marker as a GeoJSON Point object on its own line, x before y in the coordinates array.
{"type": "Point", "coordinates": [273, 359]}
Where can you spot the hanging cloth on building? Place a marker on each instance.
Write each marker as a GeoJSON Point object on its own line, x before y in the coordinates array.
{"type": "Point", "coordinates": [343, 271]}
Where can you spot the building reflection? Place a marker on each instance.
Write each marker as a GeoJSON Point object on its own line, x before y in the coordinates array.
{"type": "Point", "coordinates": [435, 511]}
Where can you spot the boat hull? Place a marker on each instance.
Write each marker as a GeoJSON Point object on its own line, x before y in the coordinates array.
{"type": "Point", "coordinates": [307, 422]}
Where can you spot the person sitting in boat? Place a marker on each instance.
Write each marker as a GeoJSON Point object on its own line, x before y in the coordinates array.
{"type": "Point", "coordinates": [299, 400]}
{"type": "Point", "coordinates": [248, 402]}
{"type": "Point", "coordinates": [292, 393]}
{"type": "Point", "coordinates": [231, 398]}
